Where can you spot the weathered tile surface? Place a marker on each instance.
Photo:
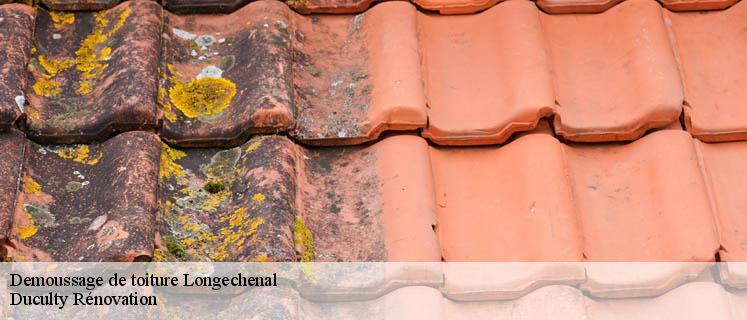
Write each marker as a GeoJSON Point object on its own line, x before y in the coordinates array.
{"type": "Point", "coordinates": [16, 32]}
{"type": "Point", "coordinates": [709, 47]}
{"type": "Point", "coordinates": [225, 77]}
{"type": "Point", "coordinates": [275, 201]}
{"type": "Point", "coordinates": [94, 73]}
{"type": "Point", "coordinates": [14, 147]}
{"type": "Point", "coordinates": [203, 6]}
{"type": "Point", "coordinates": [75, 5]}
{"type": "Point", "coordinates": [88, 202]}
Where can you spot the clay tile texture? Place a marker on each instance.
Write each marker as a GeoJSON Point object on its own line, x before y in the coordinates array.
{"type": "Point", "coordinates": [277, 201]}
{"type": "Point", "coordinates": [606, 202]}
{"type": "Point", "coordinates": [697, 5]}
{"type": "Point", "coordinates": [93, 73]}
{"type": "Point", "coordinates": [711, 63]}
{"type": "Point", "coordinates": [13, 145]}
{"type": "Point", "coordinates": [16, 32]}
{"type": "Point", "coordinates": [327, 79]}
{"type": "Point", "coordinates": [80, 5]}
{"type": "Point", "coordinates": [486, 75]}
{"type": "Point", "coordinates": [615, 74]}
{"type": "Point", "coordinates": [87, 202]}
{"type": "Point", "coordinates": [576, 6]}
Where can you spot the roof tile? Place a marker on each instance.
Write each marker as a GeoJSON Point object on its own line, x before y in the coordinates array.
{"type": "Point", "coordinates": [486, 75]}
{"type": "Point", "coordinates": [203, 6]}
{"type": "Point", "coordinates": [615, 72]}
{"type": "Point", "coordinates": [16, 32]}
{"type": "Point", "coordinates": [88, 202]}
{"type": "Point", "coordinates": [456, 6]}
{"type": "Point", "coordinates": [94, 73]}
{"type": "Point", "coordinates": [298, 204]}
{"type": "Point", "coordinates": [243, 59]}
{"type": "Point", "coordinates": [13, 145]}
{"type": "Point", "coordinates": [74, 5]}
{"type": "Point", "coordinates": [576, 6]}
{"type": "Point", "coordinates": [713, 71]}
{"type": "Point", "coordinates": [723, 164]}
{"type": "Point", "coordinates": [697, 5]}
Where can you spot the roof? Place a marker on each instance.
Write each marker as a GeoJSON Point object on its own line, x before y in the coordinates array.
{"type": "Point", "coordinates": [519, 131]}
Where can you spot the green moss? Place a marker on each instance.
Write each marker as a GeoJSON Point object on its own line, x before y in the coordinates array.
{"type": "Point", "coordinates": [214, 187]}
{"type": "Point", "coordinates": [175, 249]}
{"type": "Point", "coordinates": [303, 240]}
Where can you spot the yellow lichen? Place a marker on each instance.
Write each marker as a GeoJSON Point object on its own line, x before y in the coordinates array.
{"type": "Point", "coordinates": [158, 255]}
{"type": "Point", "coordinates": [30, 186]}
{"type": "Point", "coordinates": [90, 58]}
{"type": "Point", "coordinates": [298, 4]}
{"type": "Point", "coordinates": [28, 229]}
{"type": "Point", "coordinates": [60, 19]}
{"type": "Point", "coordinates": [254, 145]}
{"type": "Point", "coordinates": [206, 96]}
{"type": "Point", "coordinates": [80, 154]}
{"type": "Point", "coordinates": [214, 200]}
{"type": "Point", "coordinates": [258, 197]}
{"type": "Point", "coordinates": [240, 228]}
{"type": "Point", "coordinates": [49, 88]}
{"type": "Point", "coordinates": [303, 240]}
{"type": "Point", "coordinates": [169, 168]}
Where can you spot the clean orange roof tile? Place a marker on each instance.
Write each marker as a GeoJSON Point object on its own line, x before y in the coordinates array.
{"type": "Point", "coordinates": [512, 203]}
{"type": "Point", "coordinates": [714, 71]}
{"type": "Point", "coordinates": [16, 39]}
{"type": "Point", "coordinates": [723, 167]}
{"type": "Point", "coordinates": [615, 74]}
{"type": "Point", "coordinates": [456, 6]}
{"type": "Point", "coordinates": [486, 75]}
{"type": "Point", "coordinates": [697, 5]}
{"type": "Point", "coordinates": [636, 204]}
{"type": "Point", "coordinates": [576, 6]}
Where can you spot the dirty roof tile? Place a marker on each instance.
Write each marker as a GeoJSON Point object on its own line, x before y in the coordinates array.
{"type": "Point", "coordinates": [94, 73]}
{"type": "Point", "coordinates": [75, 5]}
{"type": "Point", "coordinates": [481, 218]}
{"type": "Point", "coordinates": [576, 6]}
{"type": "Point", "coordinates": [697, 5]}
{"type": "Point", "coordinates": [16, 32]}
{"type": "Point", "coordinates": [13, 145]}
{"type": "Point", "coordinates": [329, 6]}
{"type": "Point", "coordinates": [639, 205]}
{"type": "Point", "coordinates": [486, 75]}
{"type": "Point", "coordinates": [615, 74]}
{"type": "Point", "coordinates": [348, 87]}
{"type": "Point", "coordinates": [242, 60]}
{"type": "Point", "coordinates": [203, 6]}
{"type": "Point", "coordinates": [280, 202]}
{"type": "Point", "coordinates": [88, 202]}
{"type": "Point", "coordinates": [456, 6]}
{"type": "Point", "coordinates": [723, 167]}
{"type": "Point", "coordinates": [713, 70]}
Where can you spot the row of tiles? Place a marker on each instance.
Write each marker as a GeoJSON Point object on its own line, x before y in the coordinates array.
{"type": "Point", "coordinates": [665, 197]}
{"type": "Point", "coordinates": [331, 80]}
{"type": "Point", "coordinates": [697, 300]}
{"type": "Point", "coordinates": [357, 6]}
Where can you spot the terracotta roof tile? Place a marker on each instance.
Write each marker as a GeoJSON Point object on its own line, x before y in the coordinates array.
{"type": "Point", "coordinates": [87, 202]}
{"type": "Point", "coordinates": [330, 79]}
{"type": "Point", "coordinates": [244, 57]}
{"type": "Point", "coordinates": [596, 192]}
{"type": "Point", "coordinates": [16, 32]}
{"type": "Point", "coordinates": [94, 73]}
{"type": "Point", "coordinates": [697, 5]}
{"type": "Point", "coordinates": [722, 165]}
{"type": "Point", "coordinates": [330, 6]}
{"type": "Point", "coordinates": [486, 75]}
{"type": "Point", "coordinates": [60, 5]}
{"type": "Point", "coordinates": [304, 204]}
{"type": "Point", "coordinates": [203, 6]}
{"type": "Point", "coordinates": [712, 70]}
{"type": "Point", "coordinates": [615, 72]}
{"type": "Point", "coordinates": [576, 6]}
{"type": "Point", "coordinates": [456, 6]}
{"type": "Point", "coordinates": [13, 145]}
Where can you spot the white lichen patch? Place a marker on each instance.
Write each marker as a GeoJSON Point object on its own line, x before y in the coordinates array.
{"type": "Point", "coordinates": [205, 40]}
{"type": "Point", "coordinates": [210, 72]}
{"type": "Point", "coordinates": [183, 34]}
{"type": "Point", "coordinates": [21, 102]}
